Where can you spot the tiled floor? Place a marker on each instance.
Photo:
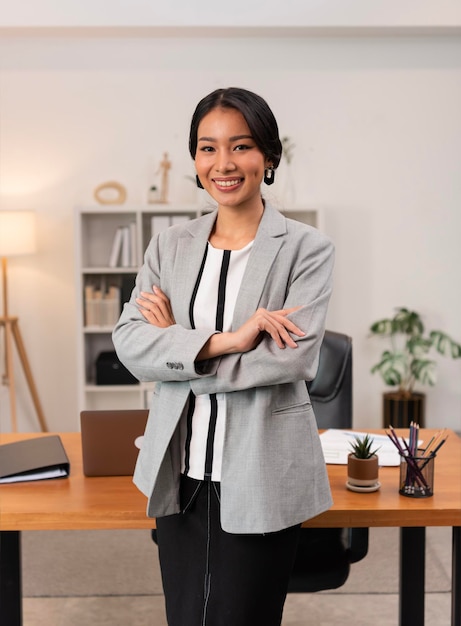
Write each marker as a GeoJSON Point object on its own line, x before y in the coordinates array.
{"type": "Point", "coordinates": [300, 610]}
{"type": "Point", "coordinates": [73, 579]}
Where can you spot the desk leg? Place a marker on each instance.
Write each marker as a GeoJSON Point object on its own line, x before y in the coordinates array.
{"type": "Point", "coordinates": [456, 578]}
{"type": "Point", "coordinates": [10, 578]}
{"type": "Point", "coordinates": [412, 576]}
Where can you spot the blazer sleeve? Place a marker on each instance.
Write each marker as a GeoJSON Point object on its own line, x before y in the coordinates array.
{"type": "Point", "coordinates": [267, 364]}
{"type": "Point", "coordinates": [157, 354]}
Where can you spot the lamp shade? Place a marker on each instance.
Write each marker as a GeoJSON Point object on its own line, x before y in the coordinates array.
{"type": "Point", "coordinates": [17, 233]}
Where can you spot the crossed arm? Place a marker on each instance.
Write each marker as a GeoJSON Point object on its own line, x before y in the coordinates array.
{"type": "Point", "coordinates": [156, 309]}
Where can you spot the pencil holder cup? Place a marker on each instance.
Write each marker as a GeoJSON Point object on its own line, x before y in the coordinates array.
{"type": "Point", "coordinates": [417, 475]}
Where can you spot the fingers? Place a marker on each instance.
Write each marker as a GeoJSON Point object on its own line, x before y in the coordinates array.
{"type": "Point", "coordinates": [287, 311]}
{"type": "Point", "coordinates": [285, 326]}
{"type": "Point", "coordinates": [279, 328]}
{"type": "Point", "coordinates": [156, 308]}
{"type": "Point", "coordinates": [274, 323]}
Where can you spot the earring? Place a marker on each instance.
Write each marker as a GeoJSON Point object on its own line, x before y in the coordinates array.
{"type": "Point", "coordinates": [199, 184]}
{"type": "Point", "coordinates": [269, 175]}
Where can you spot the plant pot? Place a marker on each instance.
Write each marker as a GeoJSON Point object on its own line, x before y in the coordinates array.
{"type": "Point", "coordinates": [362, 472]}
{"type": "Point", "coordinates": [400, 410]}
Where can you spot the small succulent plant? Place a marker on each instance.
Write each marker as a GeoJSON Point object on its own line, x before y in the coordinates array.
{"type": "Point", "coordinates": [361, 447]}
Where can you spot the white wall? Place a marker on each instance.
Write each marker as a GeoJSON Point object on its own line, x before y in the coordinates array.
{"type": "Point", "coordinates": [377, 131]}
{"type": "Point", "coordinates": [433, 14]}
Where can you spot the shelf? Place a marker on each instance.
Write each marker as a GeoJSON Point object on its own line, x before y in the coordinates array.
{"type": "Point", "coordinates": [97, 330]}
{"type": "Point", "coordinates": [109, 270]}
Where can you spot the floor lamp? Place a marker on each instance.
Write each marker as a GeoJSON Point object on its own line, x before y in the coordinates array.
{"type": "Point", "coordinates": [17, 237]}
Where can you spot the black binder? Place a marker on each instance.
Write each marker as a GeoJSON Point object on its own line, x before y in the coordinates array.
{"type": "Point", "coordinates": [39, 458]}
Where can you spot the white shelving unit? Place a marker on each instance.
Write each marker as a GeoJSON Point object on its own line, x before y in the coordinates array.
{"type": "Point", "coordinates": [103, 287]}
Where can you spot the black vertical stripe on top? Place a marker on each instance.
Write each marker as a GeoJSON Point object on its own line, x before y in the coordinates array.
{"type": "Point", "coordinates": [219, 326]}
{"type": "Point", "coordinates": [196, 286]}
{"type": "Point", "coordinates": [191, 407]}
{"type": "Point", "coordinates": [190, 413]}
{"type": "Point", "coordinates": [222, 290]}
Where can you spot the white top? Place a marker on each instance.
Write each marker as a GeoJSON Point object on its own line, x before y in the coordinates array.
{"type": "Point", "coordinates": [216, 294]}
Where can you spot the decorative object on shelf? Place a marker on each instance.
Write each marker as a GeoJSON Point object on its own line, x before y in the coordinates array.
{"type": "Point", "coordinates": [288, 192]}
{"type": "Point", "coordinates": [17, 237]}
{"type": "Point", "coordinates": [362, 465]}
{"type": "Point", "coordinates": [163, 170]}
{"type": "Point", "coordinates": [110, 193]}
{"type": "Point", "coordinates": [153, 195]}
{"type": "Point", "coordinates": [406, 363]}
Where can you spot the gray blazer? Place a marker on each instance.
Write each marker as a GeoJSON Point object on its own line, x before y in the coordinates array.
{"type": "Point", "coordinates": [273, 471]}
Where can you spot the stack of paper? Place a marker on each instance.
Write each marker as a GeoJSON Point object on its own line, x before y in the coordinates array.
{"type": "Point", "coordinates": [336, 445]}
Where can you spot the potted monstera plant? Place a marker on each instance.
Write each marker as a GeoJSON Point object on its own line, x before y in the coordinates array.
{"type": "Point", "coordinates": [406, 361]}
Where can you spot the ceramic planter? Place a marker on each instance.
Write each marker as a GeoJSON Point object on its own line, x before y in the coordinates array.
{"type": "Point", "coordinates": [362, 472]}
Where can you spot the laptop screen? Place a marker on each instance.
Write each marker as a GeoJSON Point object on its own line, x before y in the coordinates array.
{"type": "Point", "coordinates": [108, 440]}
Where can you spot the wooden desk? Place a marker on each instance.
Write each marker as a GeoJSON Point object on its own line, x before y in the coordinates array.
{"type": "Point", "coordinates": [78, 503]}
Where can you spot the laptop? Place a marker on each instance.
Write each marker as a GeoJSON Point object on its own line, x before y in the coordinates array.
{"type": "Point", "coordinates": [108, 440]}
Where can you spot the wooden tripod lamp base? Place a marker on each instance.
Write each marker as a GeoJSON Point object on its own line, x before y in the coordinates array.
{"type": "Point", "coordinates": [12, 336]}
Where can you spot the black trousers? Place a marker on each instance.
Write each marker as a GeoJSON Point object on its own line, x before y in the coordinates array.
{"type": "Point", "coordinates": [214, 578]}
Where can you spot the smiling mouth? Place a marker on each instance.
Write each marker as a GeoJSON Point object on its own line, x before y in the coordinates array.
{"type": "Point", "coordinates": [229, 182]}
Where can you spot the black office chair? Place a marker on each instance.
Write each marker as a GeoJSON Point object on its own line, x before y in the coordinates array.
{"type": "Point", "coordinates": [325, 555]}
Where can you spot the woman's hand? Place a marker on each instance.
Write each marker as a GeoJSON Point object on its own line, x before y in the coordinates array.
{"type": "Point", "coordinates": [156, 308]}
{"type": "Point", "coordinates": [247, 337]}
{"type": "Point", "coordinates": [274, 323]}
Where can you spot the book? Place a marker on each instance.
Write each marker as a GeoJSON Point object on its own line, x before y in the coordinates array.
{"type": "Point", "coordinates": [126, 246]}
{"type": "Point", "coordinates": [110, 306]}
{"type": "Point", "coordinates": [116, 247]}
{"type": "Point", "coordinates": [133, 245]}
{"type": "Point", "coordinates": [90, 318]}
{"type": "Point", "coordinates": [39, 458]}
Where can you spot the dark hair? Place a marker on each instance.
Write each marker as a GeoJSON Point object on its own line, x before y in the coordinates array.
{"type": "Point", "coordinates": [257, 114]}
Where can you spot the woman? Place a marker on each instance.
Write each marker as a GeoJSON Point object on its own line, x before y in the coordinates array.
{"type": "Point", "coordinates": [228, 314]}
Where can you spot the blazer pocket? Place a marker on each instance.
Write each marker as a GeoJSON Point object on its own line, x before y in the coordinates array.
{"type": "Point", "coordinates": [298, 407]}
{"type": "Point", "coordinates": [290, 398]}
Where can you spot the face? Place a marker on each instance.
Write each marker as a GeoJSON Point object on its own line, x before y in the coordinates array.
{"type": "Point", "coordinates": [228, 162]}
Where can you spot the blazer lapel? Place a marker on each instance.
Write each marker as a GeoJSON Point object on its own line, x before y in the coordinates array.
{"type": "Point", "coordinates": [268, 240]}
{"type": "Point", "coordinates": [189, 255]}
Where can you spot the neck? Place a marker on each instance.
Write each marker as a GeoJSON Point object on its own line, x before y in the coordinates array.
{"type": "Point", "coordinates": [235, 228]}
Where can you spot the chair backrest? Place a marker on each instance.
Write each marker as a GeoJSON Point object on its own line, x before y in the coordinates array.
{"type": "Point", "coordinates": [331, 389]}
{"type": "Point", "coordinates": [324, 554]}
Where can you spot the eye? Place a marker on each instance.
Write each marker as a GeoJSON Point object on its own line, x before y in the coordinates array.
{"type": "Point", "coordinates": [243, 146]}
{"type": "Point", "coordinates": [206, 149]}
